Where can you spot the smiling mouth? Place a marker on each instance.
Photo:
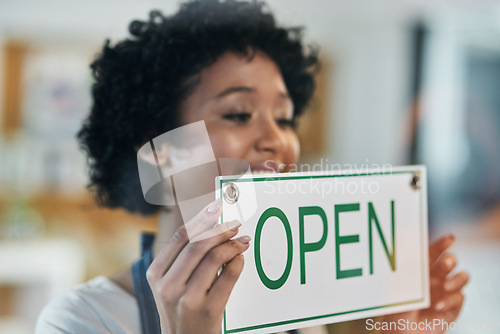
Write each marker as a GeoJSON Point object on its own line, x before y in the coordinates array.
{"type": "Point", "coordinates": [254, 172]}
{"type": "Point", "coordinates": [269, 167]}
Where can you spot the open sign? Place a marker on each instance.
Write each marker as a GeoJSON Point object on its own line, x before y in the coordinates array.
{"type": "Point", "coordinates": [327, 247]}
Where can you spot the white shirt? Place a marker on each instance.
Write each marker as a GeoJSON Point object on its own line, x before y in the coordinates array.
{"type": "Point", "coordinates": [99, 306]}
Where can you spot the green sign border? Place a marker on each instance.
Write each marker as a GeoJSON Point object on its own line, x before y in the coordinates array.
{"type": "Point", "coordinates": [296, 177]}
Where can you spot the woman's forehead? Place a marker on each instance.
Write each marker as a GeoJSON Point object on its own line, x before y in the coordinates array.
{"type": "Point", "coordinates": [256, 72]}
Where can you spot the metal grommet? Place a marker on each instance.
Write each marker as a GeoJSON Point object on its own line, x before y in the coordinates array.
{"type": "Point", "coordinates": [415, 181]}
{"type": "Point", "coordinates": [231, 193]}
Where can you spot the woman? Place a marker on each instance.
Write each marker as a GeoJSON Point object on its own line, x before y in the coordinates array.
{"type": "Point", "coordinates": [248, 79]}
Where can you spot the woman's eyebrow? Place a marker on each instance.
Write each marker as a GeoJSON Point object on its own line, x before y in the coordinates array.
{"type": "Point", "coordinates": [244, 89]}
{"type": "Point", "coordinates": [231, 90]}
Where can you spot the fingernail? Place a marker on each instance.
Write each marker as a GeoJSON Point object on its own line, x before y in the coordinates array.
{"type": "Point", "coordinates": [244, 239]}
{"type": "Point", "coordinates": [234, 225]}
{"type": "Point", "coordinates": [448, 286]}
{"type": "Point", "coordinates": [448, 262]}
{"type": "Point", "coordinates": [439, 306]}
{"type": "Point", "coordinates": [215, 206]}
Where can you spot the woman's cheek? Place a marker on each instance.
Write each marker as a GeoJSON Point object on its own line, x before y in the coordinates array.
{"type": "Point", "coordinates": [227, 144]}
{"type": "Point", "coordinates": [294, 149]}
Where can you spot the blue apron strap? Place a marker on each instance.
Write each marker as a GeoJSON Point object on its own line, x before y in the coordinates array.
{"type": "Point", "coordinates": [150, 321]}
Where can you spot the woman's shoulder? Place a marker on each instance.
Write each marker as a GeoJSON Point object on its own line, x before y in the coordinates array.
{"type": "Point", "coordinates": [97, 306]}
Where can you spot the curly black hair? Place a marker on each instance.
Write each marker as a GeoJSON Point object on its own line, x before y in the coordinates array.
{"type": "Point", "coordinates": [140, 81]}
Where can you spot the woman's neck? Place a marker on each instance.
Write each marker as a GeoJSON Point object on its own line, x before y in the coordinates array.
{"type": "Point", "coordinates": [168, 222]}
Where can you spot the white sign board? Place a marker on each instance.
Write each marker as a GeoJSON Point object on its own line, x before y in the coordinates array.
{"type": "Point", "coordinates": [327, 247]}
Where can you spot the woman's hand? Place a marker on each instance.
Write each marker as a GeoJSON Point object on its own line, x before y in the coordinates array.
{"type": "Point", "coordinates": [190, 295]}
{"type": "Point", "coordinates": [446, 291]}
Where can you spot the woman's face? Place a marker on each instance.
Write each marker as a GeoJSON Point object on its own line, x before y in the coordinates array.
{"type": "Point", "coordinates": [247, 111]}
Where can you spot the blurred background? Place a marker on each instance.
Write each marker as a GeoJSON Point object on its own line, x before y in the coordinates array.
{"type": "Point", "coordinates": [402, 82]}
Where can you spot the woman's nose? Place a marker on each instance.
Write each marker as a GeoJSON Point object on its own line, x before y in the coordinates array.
{"type": "Point", "coordinates": [270, 137]}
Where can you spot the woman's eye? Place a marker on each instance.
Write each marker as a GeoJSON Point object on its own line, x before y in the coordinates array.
{"type": "Point", "coordinates": [286, 123]}
{"type": "Point", "coordinates": [240, 117]}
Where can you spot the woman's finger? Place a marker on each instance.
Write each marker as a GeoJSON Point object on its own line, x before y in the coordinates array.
{"type": "Point", "coordinates": [439, 247]}
{"type": "Point", "coordinates": [205, 274]}
{"type": "Point", "coordinates": [168, 253]}
{"type": "Point", "coordinates": [457, 282]}
{"type": "Point", "coordinates": [452, 301]}
{"type": "Point", "coordinates": [436, 283]}
{"type": "Point", "coordinates": [443, 266]}
{"type": "Point", "coordinates": [204, 220]}
{"type": "Point", "coordinates": [191, 255]}
{"type": "Point", "coordinates": [221, 289]}
{"type": "Point", "coordinates": [217, 229]}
